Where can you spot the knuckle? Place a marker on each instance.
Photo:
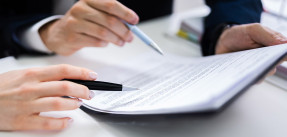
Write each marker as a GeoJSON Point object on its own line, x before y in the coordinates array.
{"type": "Point", "coordinates": [24, 89]}
{"type": "Point", "coordinates": [64, 69]}
{"type": "Point", "coordinates": [84, 73]}
{"type": "Point", "coordinates": [99, 43]}
{"type": "Point", "coordinates": [255, 25]}
{"type": "Point", "coordinates": [47, 124]}
{"type": "Point", "coordinates": [111, 21]}
{"type": "Point", "coordinates": [103, 32]}
{"type": "Point", "coordinates": [86, 92]}
{"type": "Point", "coordinates": [30, 72]}
{"type": "Point", "coordinates": [65, 87]}
{"type": "Point", "coordinates": [76, 9]}
{"type": "Point", "coordinates": [71, 22]}
{"type": "Point", "coordinates": [110, 5]}
{"type": "Point", "coordinates": [57, 104]}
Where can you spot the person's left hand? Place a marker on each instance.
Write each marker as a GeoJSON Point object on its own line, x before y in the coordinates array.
{"type": "Point", "coordinates": [249, 36]}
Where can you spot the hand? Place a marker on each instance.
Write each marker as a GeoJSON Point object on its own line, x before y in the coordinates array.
{"type": "Point", "coordinates": [89, 23]}
{"type": "Point", "coordinates": [26, 93]}
{"type": "Point", "coordinates": [250, 36]}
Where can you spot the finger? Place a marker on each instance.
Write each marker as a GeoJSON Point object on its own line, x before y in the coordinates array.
{"type": "Point", "coordinates": [267, 36]}
{"type": "Point", "coordinates": [276, 34]}
{"type": "Point", "coordinates": [270, 73]}
{"type": "Point", "coordinates": [59, 72]}
{"type": "Point", "coordinates": [100, 32]}
{"type": "Point", "coordinates": [36, 122]}
{"type": "Point", "coordinates": [115, 8]}
{"type": "Point", "coordinates": [80, 41]}
{"type": "Point", "coordinates": [47, 104]}
{"type": "Point", "coordinates": [89, 41]}
{"type": "Point", "coordinates": [108, 21]}
{"type": "Point", "coordinates": [61, 88]}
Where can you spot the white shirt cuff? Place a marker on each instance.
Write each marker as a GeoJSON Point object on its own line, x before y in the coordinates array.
{"type": "Point", "coordinates": [30, 37]}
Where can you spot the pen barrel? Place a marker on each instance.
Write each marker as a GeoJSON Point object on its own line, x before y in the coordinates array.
{"type": "Point", "coordinates": [147, 40]}
{"type": "Point", "coordinates": [140, 34]}
{"type": "Point", "coordinates": [98, 85]}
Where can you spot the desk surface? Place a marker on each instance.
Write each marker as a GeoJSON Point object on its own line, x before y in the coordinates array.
{"type": "Point", "coordinates": [260, 111]}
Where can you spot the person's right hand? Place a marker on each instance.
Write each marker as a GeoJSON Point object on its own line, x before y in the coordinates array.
{"type": "Point", "coordinates": [89, 23]}
{"type": "Point", "coordinates": [26, 93]}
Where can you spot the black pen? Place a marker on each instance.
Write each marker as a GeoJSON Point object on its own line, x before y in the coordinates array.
{"type": "Point", "coordinates": [100, 85]}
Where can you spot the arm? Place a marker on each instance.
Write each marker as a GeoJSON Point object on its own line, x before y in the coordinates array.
{"type": "Point", "coordinates": [89, 23]}
{"type": "Point", "coordinates": [224, 12]}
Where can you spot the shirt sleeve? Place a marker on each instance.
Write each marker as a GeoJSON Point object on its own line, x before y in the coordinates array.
{"type": "Point", "coordinates": [224, 13]}
{"type": "Point", "coordinates": [30, 37]}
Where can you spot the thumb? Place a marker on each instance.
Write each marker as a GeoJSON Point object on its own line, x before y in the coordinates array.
{"type": "Point", "coordinates": [265, 36]}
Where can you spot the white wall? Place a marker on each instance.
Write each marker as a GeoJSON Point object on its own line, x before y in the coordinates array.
{"type": "Point", "coordinates": [182, 5]}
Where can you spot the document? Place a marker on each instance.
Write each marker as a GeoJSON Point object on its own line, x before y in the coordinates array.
{"type": "Point", "coordinates": [173, 84]}
{"type": "Point", "coordinates": [8, 64]}
{"type": "Point", "coordinates": [279, 24]}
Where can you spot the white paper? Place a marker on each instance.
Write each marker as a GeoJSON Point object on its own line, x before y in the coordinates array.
{"type": "Point", "coordinates": [7, 64]}
{"type": "Point", "coordinates": [276, 6]}
{"type": "Point", "coordinates": [173, 84]}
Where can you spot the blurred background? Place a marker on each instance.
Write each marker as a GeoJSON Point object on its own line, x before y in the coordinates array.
{"type": "Point", "coordinates": [183, 5]}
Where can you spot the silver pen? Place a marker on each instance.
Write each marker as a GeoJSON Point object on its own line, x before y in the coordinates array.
{"type": "Point", "coordinates": [143, 37]}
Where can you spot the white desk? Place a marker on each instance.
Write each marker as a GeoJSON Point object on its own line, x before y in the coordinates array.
{"type": "Point", "coordinates": [259, 112]}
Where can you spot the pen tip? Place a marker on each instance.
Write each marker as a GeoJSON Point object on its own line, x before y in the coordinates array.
{"type": "Point", "coordinates": [156, 48]}
{"type": "Point", "coordinates": [129, 89]}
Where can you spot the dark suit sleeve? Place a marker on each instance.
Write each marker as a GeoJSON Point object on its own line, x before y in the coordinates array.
{"type": "Point", "coordinates": [226, 12]}
{"type": "Point", "coordinates": [16, 17]}
{"type": "Point", "coordinates": [9, 40]}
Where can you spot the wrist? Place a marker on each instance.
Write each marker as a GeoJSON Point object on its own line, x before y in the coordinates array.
{"type": "Point", "coordinates": [44, 32]}
{"type": "Point", "coordinates": [210, 38]}
{"type": "Point", "coordinates": [220, 46]}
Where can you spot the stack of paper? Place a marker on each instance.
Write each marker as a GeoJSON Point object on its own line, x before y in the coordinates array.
{"type": "Point", "coordinates": [173, 84]}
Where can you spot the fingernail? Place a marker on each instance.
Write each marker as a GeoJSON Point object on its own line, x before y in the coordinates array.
{"type": "Point", "coordinates": [70, 121]}
{"type": "Point", "coordinates": [135, 18]}
{"type": "Point", "coordinates": [281, 39]}
{"type": "Point", "coordinates": [121, 43]}
{"type": "Point", "coordinates": [92, 94]}
{"type": "Point", "coordinates": [93, 75]}
{"type": "Point", "coordinates": [130, 38]}
{"type": "Point", "coordinates": [80, 103]}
